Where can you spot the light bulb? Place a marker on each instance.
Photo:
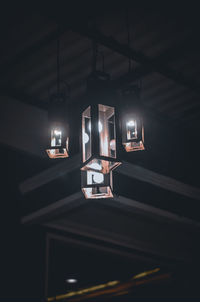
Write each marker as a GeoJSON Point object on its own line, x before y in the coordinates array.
{"type": "Point", "coordinates": [113, 144]}
{"type": "Point", "coordinates": [131, 123]}
{"type": "Point", "coordinates": [85, 138]}
{"type": "Point", "coordinates": [98, 177]}
{"type": "Point", "coordinates": [57, 132]}
{"type": "Point", "coordinates": [95, 166]}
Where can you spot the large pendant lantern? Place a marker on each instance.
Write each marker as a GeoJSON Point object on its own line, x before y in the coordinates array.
{"type": "Point", "coordinates": [99, 134]}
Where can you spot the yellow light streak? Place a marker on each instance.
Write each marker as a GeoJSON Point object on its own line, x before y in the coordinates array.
{"type": "Point", "coordinates": [146, 273]}
{"type": "Point", "coordinates": [101, 286]}
{"type": "Point", "coordinates": [84, 291]}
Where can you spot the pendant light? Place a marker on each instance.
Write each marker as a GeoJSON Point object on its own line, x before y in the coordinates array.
{"type": "Point", "coordinates": [58, 138]}
{"type": "Point", "coordinates": [131, 117]}
{"type": "Point", "coordinates": [131, 122]}
{"type": "Point", "coordinates": [99, 134]}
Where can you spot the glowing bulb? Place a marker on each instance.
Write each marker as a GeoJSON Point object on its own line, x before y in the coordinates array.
{"type": "Point", "coordinates": [57, 132]}
{"type": "Point", "coordinates": [85, 138]}
{"type": "Point", "coordinates": [100, 126]}
{"type": "Point", "coordinates": [98, 178]}
{"type": "Point", "coordinates": [95, 166]}
{"type": "Point", "coordinates": [113, 144]}
{"type": "Point", "coordinates": [131, 123]}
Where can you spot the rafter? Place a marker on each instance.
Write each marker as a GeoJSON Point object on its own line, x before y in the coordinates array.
{"type": "Point", "coordinates": [148, 65]}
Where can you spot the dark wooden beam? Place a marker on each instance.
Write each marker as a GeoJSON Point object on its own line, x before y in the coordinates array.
{"type": "Point", "coordinates": [115, 249]}
{"type": "Point", "coordinates": [56, 208]}
{"type": "Point", "coordinates": [149, 65]}
{"type": "Point", "coordinates": [28, 134]}
{"type": "Point", "coordinates": [159, 180]}
{"type": "Point", "coordinates": [27, 52]}
{"type": "Point", "coordinates": [50, 174]}
{"type": "Point", "coordinates": [104, 239]}
{"type": "Point", "coordinates": [136, 206]}
{"type": "Point", "coordinates": [128, 169]}
{"type": "Point", "coordinates": [140, 211]}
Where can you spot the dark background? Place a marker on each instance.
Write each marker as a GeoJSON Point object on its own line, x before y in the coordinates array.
{"type": "Point", "coordinates": [24, 246]}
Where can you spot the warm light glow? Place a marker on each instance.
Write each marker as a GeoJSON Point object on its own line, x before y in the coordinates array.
{"type": "Point", "coordinates": [57, 149]}
{"type": "Point", "coordinates": [57, 132]}
{"type": "Point", "coordinates": [56, 136]}
{"type": "Point", "coordinates": [146, 273]}
{"type": "Point", "coordinates": [97, 192]}
{"type": "Point", "coordinates": [113, 144]}
{"type": "Point", "coordinates": [84, 290]}
{"type": "Point", "coordinates": [95, 166]}
{"type": "Point", "coordinates": [107, 135]}
{"type": "Point", "coordinates": [85, 138]}
{"type": "Point", "coordinates": [71, 280]}
{"type": "Point", "coordinates": [99, 144]}
{"type": "Point", "coordinates": [134, 146]}
{"type": "Point", "coordinates": [57, 153]}
{"type": "Point", "coordinates": [131, 123]}
{"type": "Point", "coordinates": [115, 288]}
{"type": "Point", "coordinates": [131, 129]}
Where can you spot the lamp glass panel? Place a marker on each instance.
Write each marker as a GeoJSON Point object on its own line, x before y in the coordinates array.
{"type": "Point", "coordinates": [101, 165]}
{"type": "Point", "coordinates": [97, 192]}
{"type": "Point", "coordinates": [131, 129]}
{"type": "Point", "coordinates": [94, 177]}
{"type": "Point", "coordinates": [86, 134]}
{"type": "Point", "coordinates": [56, 137]}
{"type": "Point", "coordinates": [96, 185]}
{"type": "Point", "coordinates": [107, 132]}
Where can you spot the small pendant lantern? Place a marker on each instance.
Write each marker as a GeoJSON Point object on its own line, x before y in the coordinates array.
{"type": "Point", "coordinates": [132, 123]}
{"type": "Point", "coordinates": [131, 117]}
{"type": "Point", "coordinates": [58, 132]}
{"type": "Point", "coordinates": [58, 138]}
{"type": "Point", "coordinates": [132, 133]}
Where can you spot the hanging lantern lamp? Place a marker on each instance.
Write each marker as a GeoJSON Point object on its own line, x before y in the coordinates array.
{"type": "Point", "coordinates": [132, 127]}
{"type": "Point", "coordinates": [58, 130]}
{"type": "Point", "coordinates": [99, 134]}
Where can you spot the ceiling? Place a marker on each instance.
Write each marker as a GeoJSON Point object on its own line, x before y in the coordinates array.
{"type": "Point", "coordinates": [154, 216]}
{"type": "Point", "coordinates": [164, 49]}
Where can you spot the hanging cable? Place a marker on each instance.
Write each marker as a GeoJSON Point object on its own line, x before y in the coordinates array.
{"type": "Point", "coordinates": [58, 63]}
{"type": "Point", "coordinates": [68, 88]}
{"type": "Point", "coordinates": [103, 60]}
{"type": "Point", "coordinates": [128, 38]}
{"type": "Point", "coordinates": [94, 59]}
